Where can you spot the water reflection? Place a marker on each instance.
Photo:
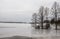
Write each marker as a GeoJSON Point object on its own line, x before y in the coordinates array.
{"type": "Point", "coordinates": [40, 32]}
{"type": "Point", "coordinates": [45, 32]}
{"type": "Point", "coordinates": [25, 30]}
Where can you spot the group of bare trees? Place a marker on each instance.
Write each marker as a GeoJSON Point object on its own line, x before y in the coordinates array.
{"type": "Point", "coordinates": [38, 18]}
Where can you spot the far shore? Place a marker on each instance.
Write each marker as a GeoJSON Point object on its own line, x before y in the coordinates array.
{"type": "Point", "coordinates": [11, 22]}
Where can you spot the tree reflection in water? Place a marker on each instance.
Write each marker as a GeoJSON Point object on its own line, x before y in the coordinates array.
{"type": "Point", "coordinates": [45, 32]}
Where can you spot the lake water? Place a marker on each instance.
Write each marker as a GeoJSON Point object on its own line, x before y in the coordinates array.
{"type": "Point", "coordinates": [16, 29]}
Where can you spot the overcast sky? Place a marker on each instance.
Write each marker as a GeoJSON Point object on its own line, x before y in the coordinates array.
{"type": "Point", "coordinates": [21, 10]}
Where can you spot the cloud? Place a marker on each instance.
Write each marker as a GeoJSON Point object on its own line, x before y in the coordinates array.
{"type": "Point", "coordinates": [12, 9]}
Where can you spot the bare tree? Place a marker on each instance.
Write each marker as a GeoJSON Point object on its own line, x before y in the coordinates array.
{"type": "Point", "coordinates": [34, 19]}
{"type": "Point", "coordinates": [55, 11]}
{"type": "Point", "coordinates": [46, 13]}
{"type": "Point", "coordinates": [41, 11]}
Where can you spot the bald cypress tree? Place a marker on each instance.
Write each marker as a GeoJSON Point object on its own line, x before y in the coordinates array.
{"type": "Point", "coordinates": [34, 19]}
{"type": "Point", "coordinates": [55, 9]}
{"type": "Point", "coordinates": [41, 11]}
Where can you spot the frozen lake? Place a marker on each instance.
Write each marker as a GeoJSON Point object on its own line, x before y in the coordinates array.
{"type": "Point", "coordinates": [16, 29]}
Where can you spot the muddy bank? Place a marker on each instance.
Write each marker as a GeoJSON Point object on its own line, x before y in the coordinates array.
{"type": "Point", "coordinates": [24, 37]}
{"type": "Point", "coordinates": [17, 37]}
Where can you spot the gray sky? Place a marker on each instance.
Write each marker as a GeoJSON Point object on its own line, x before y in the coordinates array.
{"type": "Point", "coordinates": [21, 10]}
